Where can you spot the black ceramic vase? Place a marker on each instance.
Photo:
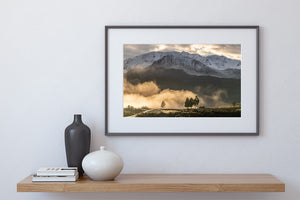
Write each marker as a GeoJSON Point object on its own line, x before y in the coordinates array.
{"type": "Point", "coordinates": [77, 142]}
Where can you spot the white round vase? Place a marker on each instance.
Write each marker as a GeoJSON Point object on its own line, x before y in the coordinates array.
{"type": "Point", "coordinates": [102, 165]}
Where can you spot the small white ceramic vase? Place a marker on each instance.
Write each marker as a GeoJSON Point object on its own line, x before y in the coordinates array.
{"type": "Point", "coordinates": [102, 165]}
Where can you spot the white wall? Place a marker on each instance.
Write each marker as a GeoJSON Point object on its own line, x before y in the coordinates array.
{"type": "Point", "coordinates": [52, 66]}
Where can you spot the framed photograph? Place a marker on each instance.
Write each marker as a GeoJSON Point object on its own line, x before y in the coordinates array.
{"type": "Point", "coordinates": [181, 80]}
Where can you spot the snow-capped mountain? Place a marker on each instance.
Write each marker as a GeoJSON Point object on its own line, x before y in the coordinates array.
{"type": "Point", "coordinates": [194, 67]}
{"type": "Point", "coordinates": [193, 64]}
{"type": "Point", "coordinates": [222, 62]}
{"type": "Point", "coordinates": [145, 60]}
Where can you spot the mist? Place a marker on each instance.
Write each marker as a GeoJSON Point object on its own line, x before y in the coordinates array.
{"type": "Point", "coordinates": [150, 95]}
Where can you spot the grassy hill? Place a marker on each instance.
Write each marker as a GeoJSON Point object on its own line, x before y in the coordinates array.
{"type": "Point", "coordinates": [230, 111]}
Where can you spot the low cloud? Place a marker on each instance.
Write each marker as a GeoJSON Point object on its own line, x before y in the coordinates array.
{"type": "Point", "coordinates": [172, 98]}
{"type": "Point", "coordinates": [215, 99]}
{"type": "Point", "coordinates": [150, 95]}
{"type": "Point", "coordinates": [145, 89]}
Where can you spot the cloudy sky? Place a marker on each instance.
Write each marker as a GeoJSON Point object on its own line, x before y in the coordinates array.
{"type": "Point", "coordinates": [232, 51]}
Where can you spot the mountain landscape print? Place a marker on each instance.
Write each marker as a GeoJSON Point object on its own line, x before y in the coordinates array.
{"type": "Point", "coordinates": [182, 80]}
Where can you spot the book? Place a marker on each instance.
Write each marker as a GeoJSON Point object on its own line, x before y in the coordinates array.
{"type": "Point", "coordinates": [36, 178]}
{"type": "Point", "coordinates": [57, 171]}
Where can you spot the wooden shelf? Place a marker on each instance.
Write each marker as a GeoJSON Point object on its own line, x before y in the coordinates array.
{"type": "Point", "coordinates": [162, 183]}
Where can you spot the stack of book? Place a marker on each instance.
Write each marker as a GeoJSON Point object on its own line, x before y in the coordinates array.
{"type": "Point", "coordinates": [60, 174]}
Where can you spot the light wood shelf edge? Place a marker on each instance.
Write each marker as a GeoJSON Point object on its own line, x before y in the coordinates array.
{"type": "Point", "coordinates": [162, 183]}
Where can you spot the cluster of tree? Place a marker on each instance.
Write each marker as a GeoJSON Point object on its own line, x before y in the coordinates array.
{"type": "Point", "coordinates": [234, 103]}
{"type": "Point", "coordinates": [130, 107]}
{"type": "Point", "coordinates": [190, 102]}
{"type": "Point", "coordinates": [163, 104]}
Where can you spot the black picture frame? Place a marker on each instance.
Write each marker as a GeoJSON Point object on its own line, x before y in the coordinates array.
{"type": "Point", "coordinates": [110, 133]}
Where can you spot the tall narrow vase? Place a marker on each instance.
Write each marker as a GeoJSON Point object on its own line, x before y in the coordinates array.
{"type": "Point", "coordinates": [77, 142]}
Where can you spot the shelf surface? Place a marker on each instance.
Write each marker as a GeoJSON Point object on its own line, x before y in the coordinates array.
{"type": "Point", "coordinates": [162, 183]}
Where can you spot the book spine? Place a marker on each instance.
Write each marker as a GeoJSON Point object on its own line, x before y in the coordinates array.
{"type": "Point", "coordinates": [36, 178]}
{"type": "Point", "coordinates": [62, 173]}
